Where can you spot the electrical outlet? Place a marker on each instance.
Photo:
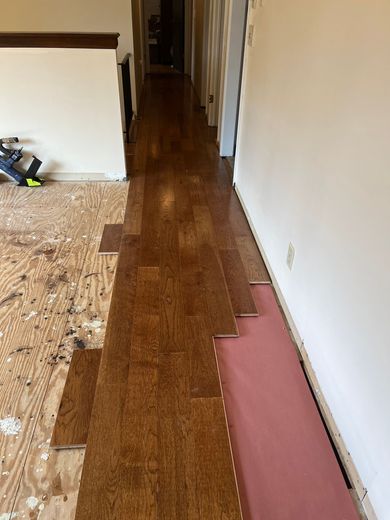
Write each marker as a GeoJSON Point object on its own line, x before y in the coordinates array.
{"type": "Point", "coordinates": [290, 256]}
{"type": "Point", "coordinates": [251, 31]}
{"type": "Point", "coordinates": [211, 98]}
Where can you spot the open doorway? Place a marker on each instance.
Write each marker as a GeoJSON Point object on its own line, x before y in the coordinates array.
{"type": "Point", "coordinates": [164, 35]}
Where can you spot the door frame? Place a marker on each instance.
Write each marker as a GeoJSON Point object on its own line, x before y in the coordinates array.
{"type": "Point", "coordinates": [233, 76]}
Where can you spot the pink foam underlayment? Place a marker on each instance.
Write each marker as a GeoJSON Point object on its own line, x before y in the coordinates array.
{"type": "Point", "coordinates": [286, 468]}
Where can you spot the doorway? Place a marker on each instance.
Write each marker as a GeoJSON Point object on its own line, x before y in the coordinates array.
{"type": "Point", "coordinates": [164, 36]}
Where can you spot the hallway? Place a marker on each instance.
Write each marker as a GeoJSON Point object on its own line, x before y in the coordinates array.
{"type": "Point", "coordinates": [158, 444]}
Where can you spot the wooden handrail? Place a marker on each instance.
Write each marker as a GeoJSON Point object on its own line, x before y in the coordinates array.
{"type": "Point", "coordinates": [60, 40]}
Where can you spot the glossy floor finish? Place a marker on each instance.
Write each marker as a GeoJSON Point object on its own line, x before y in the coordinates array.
{"type": "Point", "coordinates": [158, 444]}
{"type": "Point", "coordinates": [285, 464]}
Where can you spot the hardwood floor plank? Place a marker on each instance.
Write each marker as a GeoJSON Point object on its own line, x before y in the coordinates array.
{"type": "Point", "coordinates": [111, 239]}
{"type": "Point", "coordinates": [221, 317]}
{"type": "Point", "coordinates": [101, 493]}
{"type": "Point", "coordinates": [73, 418]}
{"type": "Point", "coordinates": [150, 230]}
{"type": "Point", "coordinates": [193, 292]}
{"type": "Point", "coordinates": [133, 218]}
{"type": "Point", "coordinates": [173, 430]}
{"type": "Point", "coordinates": [254, 265]}
{"type": "Point", "coordinates": [114, 365]}
{"type": "Point", "coordinates": [239, 289]}
{"type": "Point", "coordinates": [171, 307]}
{"type": "Point", "coordinates": [204, 375]}
{"type": "Point", "coordinates": [213, 475]}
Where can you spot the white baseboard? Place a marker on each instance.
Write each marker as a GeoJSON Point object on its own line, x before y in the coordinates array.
{"type": "Point", "coordinates": [74, 177]}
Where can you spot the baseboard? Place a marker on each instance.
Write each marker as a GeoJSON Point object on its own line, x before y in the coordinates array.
{"type": "Point", "coordinates": [75, 177]}
{"type": "Point", "coordinates": [330, 422]}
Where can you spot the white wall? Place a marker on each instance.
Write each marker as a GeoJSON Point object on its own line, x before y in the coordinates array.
{"type": "Point", "coordinates": [64, 106]}
{"type": "Point", "coordinates": [70, 16]}
{"type": "Point", "coordinates": [76, 16]}
{"type": "Point", "coordinates": [313, 168]}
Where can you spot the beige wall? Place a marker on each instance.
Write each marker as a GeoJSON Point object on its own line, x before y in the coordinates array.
{"type": "Point", "coordinates": [70, 16]}
{"type": "Point", "coordinates": [313, 169]}
{"type": "Point", "coordinates": [64, 106]}
{"type": "Point", "coordinates": [82, 16]}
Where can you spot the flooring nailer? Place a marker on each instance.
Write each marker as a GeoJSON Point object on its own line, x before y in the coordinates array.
{"type": "Point", "coordinates": [10, 156]}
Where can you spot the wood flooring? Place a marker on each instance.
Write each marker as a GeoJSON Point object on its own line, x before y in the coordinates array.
{"type": "Point", "coordinates": [158, 443]}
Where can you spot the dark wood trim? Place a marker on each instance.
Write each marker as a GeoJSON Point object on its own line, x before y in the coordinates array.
{"type": "Point", "coordinates": [60, 40]}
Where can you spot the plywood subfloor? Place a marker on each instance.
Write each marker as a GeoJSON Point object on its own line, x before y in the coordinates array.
{"type": "Point", "coordinates": [55, 293]}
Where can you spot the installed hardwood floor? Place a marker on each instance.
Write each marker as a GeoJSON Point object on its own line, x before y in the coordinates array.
{"type": "Point", "coordinates": [158, 444]}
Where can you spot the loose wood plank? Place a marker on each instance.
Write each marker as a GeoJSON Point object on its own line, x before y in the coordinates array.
{"type": "Point", "coordinates": [72, 424]}
{"type": "Point", "coordinates": [111, 239]}
{"type": "Point", "coordinates": [254, 265]}
{"type": "Point", "coordinates": [239, 289]}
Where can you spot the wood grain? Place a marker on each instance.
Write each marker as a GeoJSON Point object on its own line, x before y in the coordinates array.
{"type": "Point", "coordinates": [173, 433]}
{"type": "Point", "coordinates": [171, 307]}
{"type": "Point", "coordinates": [73, 418]}
{"type": "Point", "coordinates": [255, 268]}
{"type": "Point", "coordinates": [239, 289]}
{"type": "Point", "coordinates": [221, 316]}
{"type": "Point", "coordinates": [111, 239]}
{"type": "Point", "coordinates": [204, 376]}
{"type": "Point", "coordinates": [170, 297]}
{"type": "Point", "coordinates": [210, 495]}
